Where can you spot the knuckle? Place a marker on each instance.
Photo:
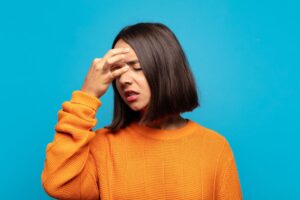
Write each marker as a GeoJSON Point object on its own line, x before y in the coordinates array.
{"type": "Point", "coordinates": [108, 61]}
{"type": "Point", "coordinates": [97, 67]}
{"type": "Point", "coordinates": [111, 51]}
{"type": "Point", "coordinates": [96, 60]}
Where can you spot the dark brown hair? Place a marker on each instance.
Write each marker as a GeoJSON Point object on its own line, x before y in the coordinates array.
{"type": "Point", "coordinates": [166, 68]}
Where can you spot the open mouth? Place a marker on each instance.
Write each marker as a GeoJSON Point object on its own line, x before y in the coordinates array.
{"type": "Point", "coordinates": [131, 96]}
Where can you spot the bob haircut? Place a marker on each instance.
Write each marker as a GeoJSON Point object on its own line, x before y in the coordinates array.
{"type": "Point", "coordinates": [167, 71]}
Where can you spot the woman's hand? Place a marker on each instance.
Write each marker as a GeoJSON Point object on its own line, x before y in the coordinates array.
{"type": "Point", "coordinates": [101, 74]}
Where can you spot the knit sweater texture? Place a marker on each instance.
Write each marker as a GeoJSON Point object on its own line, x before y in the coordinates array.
{"type": "Point", "coordinates": [137, 162]}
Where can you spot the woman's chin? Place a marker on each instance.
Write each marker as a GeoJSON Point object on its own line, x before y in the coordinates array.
{"type": "Point", "coordinates": [138, 108]}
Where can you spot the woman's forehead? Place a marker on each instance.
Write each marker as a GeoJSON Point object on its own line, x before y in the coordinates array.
{"type": "Point", "coordinates": [131, 54]}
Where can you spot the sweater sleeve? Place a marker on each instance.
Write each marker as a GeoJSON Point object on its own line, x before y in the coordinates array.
{"type": "Point", "coordinates": [69, 169]}
{"type": "Point", "coordinates": [229, 187]}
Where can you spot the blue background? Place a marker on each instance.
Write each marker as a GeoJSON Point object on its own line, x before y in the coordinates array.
{"type": "Point", "coordinates": [244, 55]}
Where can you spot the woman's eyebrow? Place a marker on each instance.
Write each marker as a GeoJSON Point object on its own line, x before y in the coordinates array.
{"type": "Point", "coordinates": [132, 62]}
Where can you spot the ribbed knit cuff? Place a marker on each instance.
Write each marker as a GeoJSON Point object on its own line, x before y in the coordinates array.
{"type": "Point", "coordinates": [84, 98]}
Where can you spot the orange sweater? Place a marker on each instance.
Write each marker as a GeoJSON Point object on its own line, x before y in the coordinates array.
{"type": "Point", "coordinates": [192, 162]}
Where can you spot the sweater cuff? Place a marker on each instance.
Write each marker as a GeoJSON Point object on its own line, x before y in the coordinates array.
{"type": "Point", "coordinates": [84, 98]}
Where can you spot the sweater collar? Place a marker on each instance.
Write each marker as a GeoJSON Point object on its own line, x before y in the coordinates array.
{"type": "Point", "coordinates": [163, 134]}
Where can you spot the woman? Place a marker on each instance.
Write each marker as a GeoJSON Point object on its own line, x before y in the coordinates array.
{"type": "Point", "coordinates": [148, 151]}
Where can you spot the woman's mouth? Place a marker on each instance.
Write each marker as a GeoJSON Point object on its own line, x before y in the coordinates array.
{"type": "Point", "coordinates": [131, 96]}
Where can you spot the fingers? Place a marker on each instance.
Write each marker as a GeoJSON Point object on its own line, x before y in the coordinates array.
{"type": "Point", "coordinates": [116, 51]}
{"type": "Point", "coordinates": [114, 56]}
{"type": "Point", "coordinates": [114, 60]}
{"type": "Point", "coordinates": [118, 72]}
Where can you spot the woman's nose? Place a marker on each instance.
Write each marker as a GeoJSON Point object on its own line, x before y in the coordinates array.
{"type": "Point", "coordinates": [125, 78]}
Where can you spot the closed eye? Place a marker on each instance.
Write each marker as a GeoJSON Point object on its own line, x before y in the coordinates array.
{"type": "Point", "coordinates": [135, 65]}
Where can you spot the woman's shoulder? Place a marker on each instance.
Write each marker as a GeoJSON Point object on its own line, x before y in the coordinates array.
{"type": "Point", "coordinates": [212, 139]}
{"type": "Point", "coordinates": [208, 133]}
{"type": "Point", "coordinates": [215, 143]}
{"type": "Point", "coordinates": [100, 137]}
{"type": "Point", "coordinates": [104, 134]}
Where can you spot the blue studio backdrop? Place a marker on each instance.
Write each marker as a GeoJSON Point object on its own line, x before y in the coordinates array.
{"type": "Point", "coordinates": [244, 55]}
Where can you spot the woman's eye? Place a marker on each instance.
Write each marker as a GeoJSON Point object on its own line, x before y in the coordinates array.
{"type": "Point", "coordinates": [137, 67]}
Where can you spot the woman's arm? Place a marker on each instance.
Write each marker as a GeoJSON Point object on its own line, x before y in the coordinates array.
{"type": "Point", "coordinates": [70, 170]}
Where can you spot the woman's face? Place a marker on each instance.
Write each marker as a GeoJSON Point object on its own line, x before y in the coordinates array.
{"type": "Point", "coordinates": [132, 85]}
